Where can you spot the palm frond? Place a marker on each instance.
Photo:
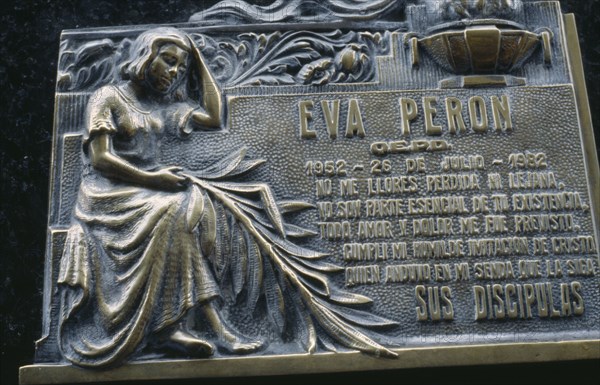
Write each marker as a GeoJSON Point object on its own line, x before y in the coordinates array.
{"type": "Point", "coordinates": [254, 277]}
{"type": "Point", "coordinates": [250, 240]}
{"type": "Point", "coordinates": [239, 260]}
{"type": "Point", "coordinates": [195, 208]}
{"type": "Point", "coordinates": [294, 206]}
{"type": "Point", "coordinates": [208, 236]}
{"type": "Point", "coordinates": [274, 299]}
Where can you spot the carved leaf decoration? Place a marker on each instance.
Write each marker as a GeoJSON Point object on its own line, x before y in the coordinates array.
{"type": "Point", "coordinates": [321, 266]}
{"type": "Point", "coordinates": [346, 298]}
{"type": "Point", "coordinates": [91, 65]}
{"type": "Point", "coordinates": [269, 203]}
{"type": "Point", "coordinates": [258, 217]}
{"type": "Point", "coordinates": [263, 40]}
{"type": "Point", "coordinates": [318, 72]}
{"type": "Point", "coordinates": [327, 344]}
{"type": "Point", "coordinates": [295, 250]}
{"type": "Point", "coordinates": [246, 166]}
{"type": "Point", "coordinates": [247, 59]}
{"type": "Point", "coordinates": [247, 204]}
{"type": "Point", "coordinates": [253, 248]}
{"type": "Point", "coordinates": [310, 343]}
{"type": "Point", "coordinates": [307, 334]}
{"type": "Point", "coordinates": [293, 206]}
{"type": "Point", "coordinates": [296, 57]}
{"type": "Point", "coordinates": [239, 260]}
{"type": "Point", "coordinates": [225, 166]}
{"type": "Point", "coordinates": [298, 232]}
{"type": "Point", "coordinates": [195, 208]}
{"type": "Point", "coordinates": [270, 80]}
{"type": "Point", "coordinates": [345, 333]}
{"type": "Point", "coordinates": [254, 272]}
{"type": "Point", "coordinates": [375, 37]}
{"type": "Point", "coordinates": [316, 280]}
{"type": "Point", "coordinates": [290, 230]}
{"type": "Point", "coordinates": [221, 254]}
{"type": "Point", "coordinates": [209, 227]}
{"type": "Point", "coordinates": [274, 299]}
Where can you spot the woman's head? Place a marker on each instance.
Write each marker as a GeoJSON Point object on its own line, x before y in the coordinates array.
{"type": "Point", "coordinates": [159, 58]}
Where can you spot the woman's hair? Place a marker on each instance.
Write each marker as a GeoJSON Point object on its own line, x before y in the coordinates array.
{"type": "Point", "coordinates": [146, 47]}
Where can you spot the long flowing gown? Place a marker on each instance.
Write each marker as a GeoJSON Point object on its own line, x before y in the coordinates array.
{"type": "Point", "coordinates": [132, 264]}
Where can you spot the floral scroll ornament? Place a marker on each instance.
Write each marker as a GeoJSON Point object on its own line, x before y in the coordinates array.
{"type": "Point", "coordinates": [295, 58]}
{"type": "Point", "coordinates": [346, 63]}
{"type": "Point", "coordinates": [249, 59]}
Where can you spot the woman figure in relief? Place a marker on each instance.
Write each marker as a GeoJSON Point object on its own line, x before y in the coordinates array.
{"type": "Point", "coordinates": [132, 268]}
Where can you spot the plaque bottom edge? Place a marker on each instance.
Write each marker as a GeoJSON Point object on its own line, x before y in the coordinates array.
{"type": "Point", "coordinates": [316, 363]}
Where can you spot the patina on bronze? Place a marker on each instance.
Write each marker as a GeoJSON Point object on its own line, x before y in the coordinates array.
{"type": "Point", "coordinates": [403, 184]}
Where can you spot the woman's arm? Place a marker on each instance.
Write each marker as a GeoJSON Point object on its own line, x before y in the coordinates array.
{"type": "Point", "coordinates": [213, 99]}
{"type": "Point", "coordinates": [113, 166]}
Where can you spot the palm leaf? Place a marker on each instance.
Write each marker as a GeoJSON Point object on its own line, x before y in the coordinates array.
{"type": "Point", "coordinates": [209, 227]}
{"type": "Point", "coordinates": [288, 247]}
{"type": "Point", "coordinates": [195, 208]}
{"type": "Point", "coordinates": [321, 266]}
{"type": "Point", "coordinates": [247, 202]}
{"type": "Point", "coordinates": [239, 260]}
{"type": "Point", "coordinates": [258, 217]}
{"type": "Point", "coordinates": [294, 206]}
{"type": "Point", "coordinates": [268, 200]}
{"type": "Point", "coordinates": [274, 299]}
{"type": "Point", "coordinates": [347, 298]}
{"type": "Point", "coordinates": [246, 166]}
{"type": "Point", "coordinates": [311, 275]}
{"type": "Point", "coordinates": [254, 279]}
{"type": "Point", "coordinates": [222, 246]}
{"type": "Point", "coordinates": [327, 343]}
{"type": "Point", "coordinates": [346, 333]}
{"type": "Point", "coordinates": [298, 232]}
{"type": "Point", "coordinates": [307, 334]}
{"type": "Point", "coordinates": [299, 271]}
{"type": "Point", "coordinates": [225, 166]}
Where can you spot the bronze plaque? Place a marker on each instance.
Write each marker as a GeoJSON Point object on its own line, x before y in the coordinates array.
{"type": "Point", "coordinates": [288, 189]}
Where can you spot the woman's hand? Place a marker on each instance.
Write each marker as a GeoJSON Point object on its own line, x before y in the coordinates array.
{"type": "Point", "coordinates": [168, 179]}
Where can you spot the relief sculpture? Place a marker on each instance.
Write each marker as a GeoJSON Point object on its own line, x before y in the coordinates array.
{"type": "Point", "coordinates": [308, 187]}
{"type": "Point", "coordinates": [151, 242]}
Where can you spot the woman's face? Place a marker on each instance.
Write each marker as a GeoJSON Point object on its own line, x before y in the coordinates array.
{"type": "Point", "coordinates": [167, 67]}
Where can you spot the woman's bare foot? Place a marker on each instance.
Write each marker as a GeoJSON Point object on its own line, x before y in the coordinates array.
{"type": "Point", "coordinates": [191, 344]}
{"type": "Point", "coordinates": [233, 343]}
{"type": "Point", "coordinates": [229, 339]}
{"type": "Point", "coordinates": [178, 341]}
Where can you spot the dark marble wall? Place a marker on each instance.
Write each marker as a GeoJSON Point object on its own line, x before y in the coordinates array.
{"type": "Point", "coordinates": [29, 37]}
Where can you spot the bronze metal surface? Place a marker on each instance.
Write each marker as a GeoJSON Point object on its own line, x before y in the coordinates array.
{"type": "Point", "coordinates": [261, 194]}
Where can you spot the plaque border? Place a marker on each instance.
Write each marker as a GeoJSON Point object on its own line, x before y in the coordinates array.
{"type": "Point", "coordinates": [409, 358]}
{"type": "Point", "coordinates": [590, 155]}
{"type": "Point", "coordinates": [318, 363]}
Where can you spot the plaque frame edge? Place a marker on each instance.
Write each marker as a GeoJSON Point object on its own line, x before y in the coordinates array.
{"type": "Point", "coordinates": [588, 142]}
{"type": "Point", "coordinates": [463, 355]}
